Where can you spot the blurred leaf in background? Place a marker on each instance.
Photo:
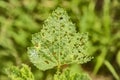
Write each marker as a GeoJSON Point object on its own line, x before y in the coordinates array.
{"type": "Point", "coordinates": [16, 26]}
{"type": "Point", "coordinates": [102, 39]}
{"type": "Point", "coordinates": [23, 73]}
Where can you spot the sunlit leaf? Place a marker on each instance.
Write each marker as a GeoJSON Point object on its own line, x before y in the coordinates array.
{"type": "Point", "coordinates": [58, 43]}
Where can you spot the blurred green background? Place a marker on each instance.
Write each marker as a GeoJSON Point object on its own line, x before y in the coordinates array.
{"type": "Point", "coordinates": [100, 18]}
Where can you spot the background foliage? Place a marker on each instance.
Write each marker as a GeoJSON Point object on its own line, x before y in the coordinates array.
{"type": "Point", "coordinates": [100, 18]}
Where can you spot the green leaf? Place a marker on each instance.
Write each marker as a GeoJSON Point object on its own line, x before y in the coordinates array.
{"type": "Point", "coordinates": [68, 75]}
{"type": "Point", "coordinates": [23, 73]}
{"type": "Point", "coordinates": [58, 43]}
{"type": "Point", "coordinates": [118, 58]}
{"type": "Point", "coordinates": [112, 70]}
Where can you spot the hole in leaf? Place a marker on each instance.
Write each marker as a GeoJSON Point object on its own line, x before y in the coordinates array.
{"type": "Point", "coordinates": [77, 38]}
{"type": "Point", "coordinates": [81, 39]}
{"type": "Point", "coordinates": [43, 34]}
{"type": "Point", "coordinates": [75, 56]}
{"type": "Point", "coordinates": [69, 41]}
{"type": "Point", "coordinates": [61, 18]}
{"type": "Point", "coordinates": [47, 62]}
{"type": "Point", "coordinates": [45, 29]}
{"type": "Point", "coordinates": [62, 26]}
{"type": "Point", "coordinates": [65, 34]}
{"type": "Point", "coordinates": [71, 34]}
{"type": "Point", "coordinates": [60, 53]}
{"type": "Point", "coordinates": [79, 51]}
{"type": "Point", "coordinates": [53, 31]}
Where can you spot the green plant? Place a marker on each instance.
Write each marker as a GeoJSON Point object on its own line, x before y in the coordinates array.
{"type": "Point", "coordinates": [70, 75]}
{"type": "Point", "coordinates": [23, 73]}
{"type": "Point", "coordinates": [102, 41]}
{"type": "Point", "coordinates": [20, 18]}
{"type": "Point", "coordinates": [16, 26]}
{"type": "Point", "coordinates": [58, 44]}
